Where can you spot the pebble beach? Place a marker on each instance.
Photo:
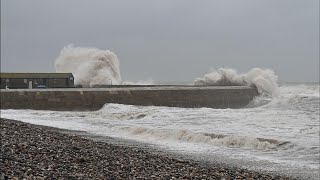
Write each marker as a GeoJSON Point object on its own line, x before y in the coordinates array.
{"type": "Point", "coordinates": [38, 152]}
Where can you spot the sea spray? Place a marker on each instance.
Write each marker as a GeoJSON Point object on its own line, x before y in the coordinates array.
{"type": "Point", "coordinates": [264, 79]}
{"type": "Point", "coordinates": [90, 66]}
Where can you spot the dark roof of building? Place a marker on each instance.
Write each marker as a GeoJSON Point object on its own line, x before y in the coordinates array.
{"type": "Point", "coordinates": [36, 75]}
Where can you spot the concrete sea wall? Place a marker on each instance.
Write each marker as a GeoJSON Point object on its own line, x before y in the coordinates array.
{"type": "Point", "coordinates": [95, 98]}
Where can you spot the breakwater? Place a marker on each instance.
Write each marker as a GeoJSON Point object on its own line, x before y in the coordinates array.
{"type": "Point", "coordinates": [95, 98]}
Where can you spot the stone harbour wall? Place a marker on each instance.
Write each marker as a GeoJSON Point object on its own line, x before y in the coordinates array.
{"type": "Point", "coordinates": [95, 98]}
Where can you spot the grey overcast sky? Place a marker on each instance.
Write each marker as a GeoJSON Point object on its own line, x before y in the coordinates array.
{"type": "Point", "coordinates": [166, 40]}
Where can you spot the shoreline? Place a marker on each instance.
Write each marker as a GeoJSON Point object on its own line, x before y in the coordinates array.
{"type": "Point", "coordinates": [34, 151]}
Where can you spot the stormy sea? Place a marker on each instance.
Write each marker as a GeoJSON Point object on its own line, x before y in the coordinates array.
{"type": "Point", "coordinates": [271, 134]}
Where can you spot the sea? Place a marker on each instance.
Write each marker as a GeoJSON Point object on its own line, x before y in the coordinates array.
{"type": "Point", "coordinates": [272, 134]}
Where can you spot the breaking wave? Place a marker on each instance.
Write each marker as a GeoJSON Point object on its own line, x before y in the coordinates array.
{"type": "Point", "coordinates": [264, 79]}
{"type": "Point", "coordinates": [90, 66]}
{"type": "Point", "coordinates": [232, 141]}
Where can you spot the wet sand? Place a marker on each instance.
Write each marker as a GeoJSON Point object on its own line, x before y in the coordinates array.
{"type": "Point", "coordinates": [40, 152]}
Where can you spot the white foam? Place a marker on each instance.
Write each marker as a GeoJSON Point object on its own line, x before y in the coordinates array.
{"type": "Point", "coordinates": [90, 66]}
{"type": "Point", "coordinates": [234, 141]}
{"type": "Point", "coordinates": [264, 79]}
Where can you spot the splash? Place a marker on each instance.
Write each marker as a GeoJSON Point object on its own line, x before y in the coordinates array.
{"type": "Point", "coordinates": [90, 66]}
{"type": "Point", "coordinates": [264, 79]}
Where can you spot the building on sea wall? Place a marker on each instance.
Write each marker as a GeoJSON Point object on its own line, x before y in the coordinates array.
{"type": "Point", "coordinates": [36, 80]}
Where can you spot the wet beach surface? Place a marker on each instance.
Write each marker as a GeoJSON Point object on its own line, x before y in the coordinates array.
{"type": "Point", "coordinates": [40, 152]}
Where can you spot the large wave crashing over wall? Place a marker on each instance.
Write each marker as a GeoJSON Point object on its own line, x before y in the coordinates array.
{"type": "Point", "coordinates": [90, 66]}
{"type": "Point", "coordinates": [264, 79]}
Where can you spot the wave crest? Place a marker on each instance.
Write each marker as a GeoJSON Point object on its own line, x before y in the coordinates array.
{"type": "Point", "coordinates": [264, 79]}
{"type": "Point", "coordinates": [232, 141]}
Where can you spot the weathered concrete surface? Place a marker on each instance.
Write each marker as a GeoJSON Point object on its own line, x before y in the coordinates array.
{"type": "Point", "coordinates": [95, 98]}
